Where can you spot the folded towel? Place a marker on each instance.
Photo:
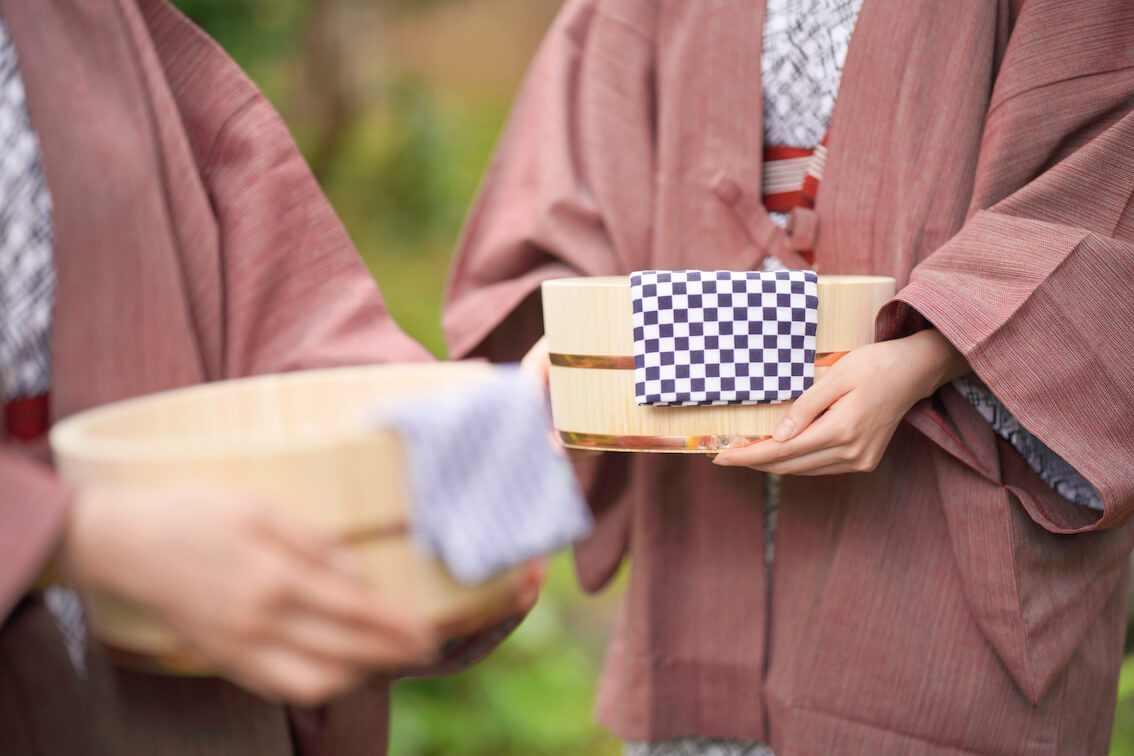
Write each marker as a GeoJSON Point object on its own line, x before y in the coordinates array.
{"type": "Point", "coordinates": [723, 337]}
{"type": "Point", "coordinates": [490, 488]}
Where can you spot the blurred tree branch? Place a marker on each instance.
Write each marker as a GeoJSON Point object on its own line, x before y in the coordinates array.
{"type": "Point", "coordinates": [345, 67]}
{"type": "Point", "coordinates": [332, 90]}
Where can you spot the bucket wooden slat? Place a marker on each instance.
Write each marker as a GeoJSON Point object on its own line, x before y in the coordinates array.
{"type": "Point", "coordinates": [300, 441]}
{"type": "Point", "coordinates": [588, 317]}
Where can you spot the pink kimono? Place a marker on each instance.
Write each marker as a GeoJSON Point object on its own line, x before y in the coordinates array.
{"type": "Point", "coordinates": [982, 153]}
{"type": "Point", "coordinates": [191, 244]}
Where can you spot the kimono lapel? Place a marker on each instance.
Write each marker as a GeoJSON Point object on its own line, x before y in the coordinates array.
{"type": "Point", "coordinates": [122, 321]}
{"type": "Point", "coordinates": [883, 217]}
{"type": "Point", "coordinates": [711, 132]}
{"type": "Point", "coordinates": [872, 216]}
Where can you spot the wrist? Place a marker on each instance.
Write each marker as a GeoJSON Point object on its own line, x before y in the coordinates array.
{"type": "Point", "coordinates": [89, 549]}
{"type": "Point", "coordinates": [942, 362]}
{"type": "Point", "coordinates": [57, 568]}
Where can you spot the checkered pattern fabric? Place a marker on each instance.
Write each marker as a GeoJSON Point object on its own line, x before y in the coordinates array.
{"type": "Point", "coordinates": [490, 487]}
{"type": "Point", "coordinates": [804, 47]}
{"type": "Point", "coordinates": [27, 274]}
{"type": "Point", "coordinates": [723, 337]}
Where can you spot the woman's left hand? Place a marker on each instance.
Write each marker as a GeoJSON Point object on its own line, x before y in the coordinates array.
{"type": "Point", "coordinates": [537, 362]}
{"type": "Point", "coordinates": [844, 422]}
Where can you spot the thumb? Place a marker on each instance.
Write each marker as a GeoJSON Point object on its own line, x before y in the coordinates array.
{"type": "Point", "coordinates": [810, 404]}
{"type": "Point", "coordinates": [536, 362]}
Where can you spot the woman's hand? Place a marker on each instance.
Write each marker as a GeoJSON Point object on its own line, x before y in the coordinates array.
{"type": "Point", "coordinates": [525, 594]}
{"type": "Point", "coordinates": [536, 362]}
{"type": "Point", "coordinates": [271, 602]}
{"type": "Point", "coordinates": [533, 575]}
{"type": "Point", "coordinates": [844, 422]}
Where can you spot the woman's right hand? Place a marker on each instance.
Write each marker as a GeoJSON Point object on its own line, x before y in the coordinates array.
{"type": "Point", "coordinates": [272, 603]}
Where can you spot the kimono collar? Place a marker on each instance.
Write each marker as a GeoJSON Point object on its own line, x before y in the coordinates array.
{"type": "Point", "coordinates": [721, 140]}
{"type": "Point", "coordinates": [122, 320]}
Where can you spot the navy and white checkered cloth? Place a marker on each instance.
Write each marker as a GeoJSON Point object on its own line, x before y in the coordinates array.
{"type": "Point", "coordinates": [723, 337]}
{"type": "Point", "coordinates": [490, 488]}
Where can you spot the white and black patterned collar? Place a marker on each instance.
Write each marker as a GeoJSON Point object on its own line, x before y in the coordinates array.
{"type": "Point", "coordinates": [27, 273]}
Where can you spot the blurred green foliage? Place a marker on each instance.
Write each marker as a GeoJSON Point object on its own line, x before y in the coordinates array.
{"type": "Point", "coordinates": [401, 170]}
{"type": "Point", "coordinates": [258, 34]}
{"type": "Point", "coordinates": [532, 696]}
{"type": "Point", "coordinates": [1122, 740]}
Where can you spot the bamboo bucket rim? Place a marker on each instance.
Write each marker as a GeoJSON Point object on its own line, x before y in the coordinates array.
{"type": "Point", "coordinates": [825, 278]}
{"type": "Point", "coordinates": [76, 436]}
{"type": "Point", "coordinates": [588, 323]}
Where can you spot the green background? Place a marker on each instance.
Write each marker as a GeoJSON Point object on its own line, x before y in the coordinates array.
{"type": "Point", "coordinates": [397, 105]}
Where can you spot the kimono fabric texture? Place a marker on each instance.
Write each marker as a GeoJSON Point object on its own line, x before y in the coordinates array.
{"type": "Point", "coordinates": [189, 243]}
{"type": "Point", "coordinates": [804, 47]}
{"type": "Point", "coordinates": [951, 600]}
{"type": "Point", "coordinates": [27, 284]}
{"type": "Point", "coordinates": [803, 55]}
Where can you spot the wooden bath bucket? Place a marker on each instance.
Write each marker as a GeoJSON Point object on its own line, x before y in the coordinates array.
{"type": "Point", "coordinates": [299, 440]}
{"type": "Point", "coordinates": [590, 338]}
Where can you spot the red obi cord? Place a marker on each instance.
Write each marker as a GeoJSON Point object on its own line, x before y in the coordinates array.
{"type": "Point", "coordinates": [27, 419]}
{"type": "Point", "coordinates": [785, 170]}
{"type": "Point", "coordinates": [791, 177]}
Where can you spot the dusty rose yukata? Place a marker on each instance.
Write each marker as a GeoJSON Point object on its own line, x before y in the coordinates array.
{"type": "Point", "coordinates": [949, 602]}
{"type": "Point", "coordinates": [190, 243]}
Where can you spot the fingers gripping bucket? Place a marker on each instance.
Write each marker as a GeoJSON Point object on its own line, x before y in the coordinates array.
{"type": "Point", "coordinates": [590, 340]}
{"type": "Point", "coordinates": [299, 441]}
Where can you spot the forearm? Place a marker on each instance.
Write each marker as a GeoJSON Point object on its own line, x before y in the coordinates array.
{"type": "Point", "coordinates": [937, 360]}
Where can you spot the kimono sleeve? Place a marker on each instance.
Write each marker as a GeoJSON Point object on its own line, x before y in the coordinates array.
{"type": "Point", "coordinates": [569, 190]}
{"type": "Point", "coordinates": [296, 293]}
{"type": "Point", "coordinates": [33, 512]}
{"type": "Point", "coordinates": [1037, 289]}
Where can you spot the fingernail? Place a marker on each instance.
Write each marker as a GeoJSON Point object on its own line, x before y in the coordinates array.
{"type": "Point", "coordinates": [722, 460]}
{"type": "Point", "coordinates": [784, 430]}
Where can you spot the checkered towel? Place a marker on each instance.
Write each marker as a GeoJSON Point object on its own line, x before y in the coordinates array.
{"type": "Point", "coordinates": [723, 337]}
{"type": "Point", "coordinates": [490, 488]}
